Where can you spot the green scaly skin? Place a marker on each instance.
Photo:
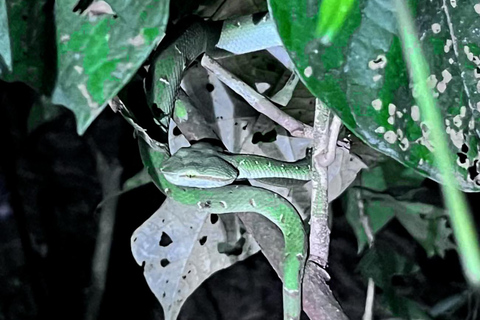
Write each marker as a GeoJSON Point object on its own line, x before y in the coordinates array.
{"type": "Point", "coordinates": [205, 166]}
{"type": "Point", "coordinates": [167, 73]}
{"type": "Point", "coordinates": [241, 198]}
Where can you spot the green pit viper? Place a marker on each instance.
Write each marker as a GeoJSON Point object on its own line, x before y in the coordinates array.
{"type": "Point", "coordinates": [209, 187]}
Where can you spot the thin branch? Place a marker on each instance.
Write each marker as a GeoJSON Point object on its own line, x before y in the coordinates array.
{"type": "Point", "coordinates": [257, 101]}
{"type": "Point", "coordinates": [319, 229]}
{"type": "Point", "coordinates": [365, 221]}
{"type": "Point", "coordinates": [328, 155]}
{"type": "Point", "coordinates": [368, 314]}
{"type": "Point", "coordinates": [109, 176]}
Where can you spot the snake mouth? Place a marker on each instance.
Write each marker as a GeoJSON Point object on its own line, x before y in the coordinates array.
{"type": "Point", "coordinates": [204, 177]}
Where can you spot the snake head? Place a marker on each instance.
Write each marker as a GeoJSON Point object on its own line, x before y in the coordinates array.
{"type": "Point", "coordinates": [197, 169]}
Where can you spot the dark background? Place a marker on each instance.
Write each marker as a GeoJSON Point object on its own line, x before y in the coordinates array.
{"type": "Point", "coordinates": [50, 187]}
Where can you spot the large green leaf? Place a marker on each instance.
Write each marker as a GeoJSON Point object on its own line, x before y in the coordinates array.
{"type": "Point", "coordinates": [361, 75]}
{"type": "Point", "coordinates": [98, 54]}
{"type": "Point", "coordinates": [27, 43]}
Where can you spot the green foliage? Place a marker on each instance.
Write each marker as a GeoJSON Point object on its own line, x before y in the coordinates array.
{"type": "Point", "coordinates": [392, 191]}
{"type": "Point", "coordinates": [27, 43]}
{"type": "Point", "coordinates": [382, 264]}
{"type": "Point", "coordinates": [80, 61]}
{"type": "Point", "coordinates": [347, 53]}
{"type": "Point", "coordinates": [362, 76]}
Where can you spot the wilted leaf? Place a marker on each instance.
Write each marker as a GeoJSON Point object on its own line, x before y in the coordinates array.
{"type": "Point", "coordinates": [99, 53]}
{"type": "Point", "coordinates": [361, 75]}
{"type": "Point", "coordinates": [178, 249]}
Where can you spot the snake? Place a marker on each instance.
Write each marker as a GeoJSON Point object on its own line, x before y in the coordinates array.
{"type": "Point", "coordinates": [207, 185]}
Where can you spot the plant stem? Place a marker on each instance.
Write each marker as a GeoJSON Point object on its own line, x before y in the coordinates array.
{"type": "Point", "coordinates": [461, 219]}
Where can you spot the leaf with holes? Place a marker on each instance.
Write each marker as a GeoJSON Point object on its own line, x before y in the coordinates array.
{"type": "Point", "coordinates": [101, 49]}
{"type": "Point", "coordinates": [179, 249]}
{"type": "Point", "coordinates": [361, 75]}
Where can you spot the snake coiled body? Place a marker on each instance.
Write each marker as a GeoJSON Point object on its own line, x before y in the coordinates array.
{"type": "Point", "coordinates": [166, 74]}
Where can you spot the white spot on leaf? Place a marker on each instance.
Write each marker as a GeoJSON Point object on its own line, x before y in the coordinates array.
{"type": "Point", "coordinates": [432, 81]}
{"type": "Point", "coordinates": [441, 86]}
{"type": "Point", "coordinates": [466, 49]}
{"type": "Point", "coordinates": [390, 136]}
{"type": "Point", "coordinates": [457, 138]}
{"type": "Point", "coordinates": [377, 104]}
{"type": "Point", "coordinates": [380, 130]}
{"type": "Point", "coordinates": [379, 63]}
{"type": "Point", "coordinates": [404, 144]}
{"type": "Point", "coordinates": [476, 73]}
{"type": "Point", "coordinates": [415, 113]}
{"type": "Point", "coordinates": [436, 28]}
{"type": "Point", "coordinates": [391, 109]}
{"type": "Point", "coordinates": [83, 89]}
{"type": "Point", "coordinates": [425, 139]}
{"type": "Point", "coordinates": [308, 72]}
{"type": "Point", "coordinates": [477, 8]}
{"type": "Point", "coordinates": [457, 121]}
{"type": "Point", "coordinates": [137, 41]}
{"type": "Point", "coordinates": [447, 76]}
{"type": "Point", "coordinates": [448, 45]}
{"type": "Point", "coordinates": [399, 133]}
{"type": "Point", "coordinates": [391, 120]}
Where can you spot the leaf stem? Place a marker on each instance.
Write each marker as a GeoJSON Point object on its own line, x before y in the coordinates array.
{"type": "Point", "coordinates": [461, 219]}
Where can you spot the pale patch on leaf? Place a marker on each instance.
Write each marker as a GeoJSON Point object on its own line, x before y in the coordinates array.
{"type": "Point", "coordinates": [178, 249]}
